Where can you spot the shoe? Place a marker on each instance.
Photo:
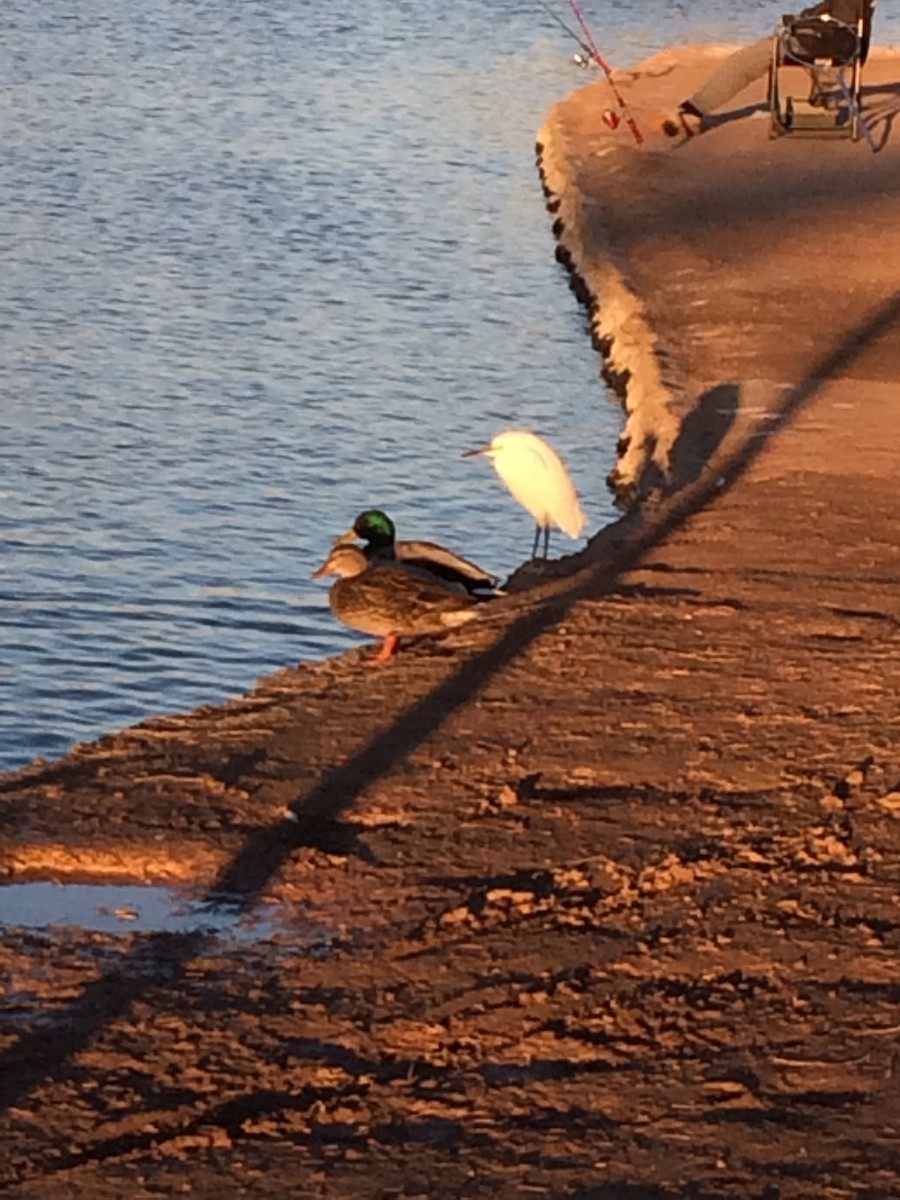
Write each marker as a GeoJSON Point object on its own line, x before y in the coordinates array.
{"type": "Point", "coordinates": [683, 124]}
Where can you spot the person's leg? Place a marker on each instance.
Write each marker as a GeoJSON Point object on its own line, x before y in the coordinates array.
{"type": "Point", "coordinates": [736, 72]}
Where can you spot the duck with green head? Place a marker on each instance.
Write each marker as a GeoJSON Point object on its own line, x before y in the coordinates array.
{"type": "Point", "coordinates": [376, 529]}
{"type": "Point", "coordinates": [391, 602]}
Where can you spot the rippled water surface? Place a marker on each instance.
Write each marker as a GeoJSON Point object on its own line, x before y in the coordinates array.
{"type": "Point", "coordinates": [266, 264]}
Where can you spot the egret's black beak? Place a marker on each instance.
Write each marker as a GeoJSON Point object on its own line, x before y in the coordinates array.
{"type": "Point", "coordinates": [472, 453]}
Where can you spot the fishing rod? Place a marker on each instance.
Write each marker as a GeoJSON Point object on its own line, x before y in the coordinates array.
{"type": "Point", "coordinates": [584, 59]}
{"type": "Point", "coordinates": [589, 46]}
{"type": "Point", "coordinates": [607, 71]}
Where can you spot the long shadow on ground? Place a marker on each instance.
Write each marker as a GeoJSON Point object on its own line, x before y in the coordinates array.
{"type": "Point", "coordinates": [46, 1053]}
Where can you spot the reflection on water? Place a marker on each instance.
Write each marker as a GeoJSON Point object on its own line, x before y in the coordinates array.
{"type": "Point", "coordinates": [132, 908]}
{"type": "Point", "coordinates": [264, 266]}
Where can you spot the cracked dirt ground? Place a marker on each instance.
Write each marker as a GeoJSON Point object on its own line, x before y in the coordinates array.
{"type": "Point", "coordinates": [598, 900]}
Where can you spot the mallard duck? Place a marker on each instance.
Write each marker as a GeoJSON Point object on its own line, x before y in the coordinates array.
{"type": "Point", "coordinates": [391, 601]}
{"type": "Point", "coordinates": [538, 479]}
{"type": "Point", "coordinates": [376, 529]}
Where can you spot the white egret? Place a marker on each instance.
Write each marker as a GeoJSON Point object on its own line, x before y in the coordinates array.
{"type": "Point", "coordinates": [390, 601]}
{"type": "Point", "coordinates": [538, 479]}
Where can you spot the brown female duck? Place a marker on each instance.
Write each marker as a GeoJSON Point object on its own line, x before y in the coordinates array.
{"type": "Point", "coordinates": [391, 601]}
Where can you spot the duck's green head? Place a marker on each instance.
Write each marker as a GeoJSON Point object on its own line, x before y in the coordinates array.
{"type": "Point", "coordinates": [374, 527]}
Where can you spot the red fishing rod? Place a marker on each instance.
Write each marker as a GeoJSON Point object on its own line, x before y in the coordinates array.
{"type": "Point", "coordinates": [590, 45]}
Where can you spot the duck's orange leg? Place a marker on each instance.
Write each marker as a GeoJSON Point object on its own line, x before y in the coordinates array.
{"type": "Point", "coordinates": [389, 647]}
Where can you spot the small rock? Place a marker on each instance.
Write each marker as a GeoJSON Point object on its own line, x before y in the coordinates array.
{"type": "Point", "coordinates": [507, 797]}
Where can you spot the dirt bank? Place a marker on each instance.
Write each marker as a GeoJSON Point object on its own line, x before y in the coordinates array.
{"type": "Point", "coordinates": [598, 899]}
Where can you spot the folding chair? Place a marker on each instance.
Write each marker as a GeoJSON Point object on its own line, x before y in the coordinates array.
{"type": "Point", "coordinates": [827, 50]}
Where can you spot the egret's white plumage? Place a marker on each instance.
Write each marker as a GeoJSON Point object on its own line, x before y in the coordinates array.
{"type": "Point", "coordinates": [538, 479]}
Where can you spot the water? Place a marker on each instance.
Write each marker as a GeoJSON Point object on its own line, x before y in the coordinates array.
{"type": "Point", "coordinates": [128, 908]}
{"type": "Point", "coordinates": [119, 908]}
{"type": "Point", "coordinates": [266, 264]}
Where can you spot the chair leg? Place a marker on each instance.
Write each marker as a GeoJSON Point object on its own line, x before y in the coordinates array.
{"type": "Point", "coordinates": [774, 101]}
{"type": "Point", "coordinates": [857, 97]}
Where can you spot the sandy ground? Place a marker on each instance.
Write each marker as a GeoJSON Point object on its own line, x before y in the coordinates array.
{"type": "Point", "coordinates": [599, 899]}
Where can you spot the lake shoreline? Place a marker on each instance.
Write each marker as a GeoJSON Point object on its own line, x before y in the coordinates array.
{"type": "Point", "coordinates": [608, 882]}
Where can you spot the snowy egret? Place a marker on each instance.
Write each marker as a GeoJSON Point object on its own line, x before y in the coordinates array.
{"type": "Point", "coordinates": [538, 479]}
{"type": "Point", "coordinates": [390, 601]}
{"type": "Point", "coordinates": [376, 529]}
